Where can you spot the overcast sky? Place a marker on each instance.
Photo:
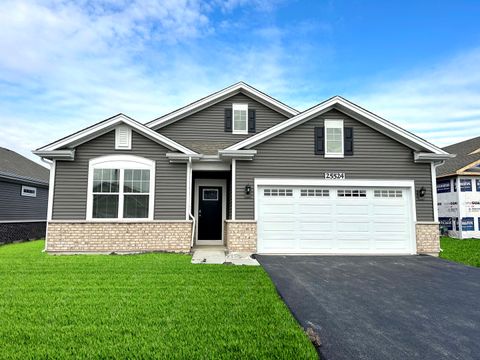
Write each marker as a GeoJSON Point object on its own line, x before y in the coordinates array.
{"type": "Point", "coordinates": [65, 65]}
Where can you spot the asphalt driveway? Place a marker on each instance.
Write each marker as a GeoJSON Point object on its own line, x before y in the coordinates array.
{"type": "Point", "coordinates": [408, 307]}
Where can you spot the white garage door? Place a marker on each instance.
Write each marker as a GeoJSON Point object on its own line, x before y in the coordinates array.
{"type": "Point", "coordinates": [334, 220]}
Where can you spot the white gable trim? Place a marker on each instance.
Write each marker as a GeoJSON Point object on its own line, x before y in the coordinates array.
{"type": "Point", "coordinates": [109, 124]}
{"type": "Point", "coordinates": [217, 97]}
{"type": "Point", "coordinates": [325, 106]}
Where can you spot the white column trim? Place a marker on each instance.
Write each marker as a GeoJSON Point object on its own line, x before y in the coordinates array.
{"type": "Point", "coordinates": [234, 184]}
{"type": "Point", "coordinates": [188, 196]}
{"type": "Point", "coordinates": [51, 187]}
{"type": "Point", "coordinates": [434, 191]}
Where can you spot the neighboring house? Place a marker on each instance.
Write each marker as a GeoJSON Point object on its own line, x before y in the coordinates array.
{"type": "Point", "coordinates": [23, 197]}
{"type": "Point", "coordinates": [458, 189]}
{"type": "Point", "coordinates": [242, 169]}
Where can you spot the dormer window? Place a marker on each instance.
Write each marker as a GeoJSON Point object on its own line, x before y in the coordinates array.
{"type": "Point", "coordinates": [240, 119]}
{"type": "Point", "coordinates": [333, 138]}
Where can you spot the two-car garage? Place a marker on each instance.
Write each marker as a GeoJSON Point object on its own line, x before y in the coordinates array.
{"type": "Point", "coordinates": [362, 217]}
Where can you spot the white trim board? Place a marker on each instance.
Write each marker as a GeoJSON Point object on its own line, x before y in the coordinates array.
{"type": "Point", "coordinates": [108, 125]}
{"type": "Point", "coordinates": [390, 129]}
{"type": "Point", "coordinates": [210, 182]}
{"type": "Point", "coordinates": [217, 97]}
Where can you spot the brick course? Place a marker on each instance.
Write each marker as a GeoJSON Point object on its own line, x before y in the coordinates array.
{"type": "Point", "coordinates": [428, 238]}
{"type": "Point", "coordinates": [241, 236]}
{"type": "Point", "coordinates": [106, 237]}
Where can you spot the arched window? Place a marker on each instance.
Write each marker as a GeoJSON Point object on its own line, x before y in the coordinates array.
{"type": "Point", "coordinates": [120, 187]}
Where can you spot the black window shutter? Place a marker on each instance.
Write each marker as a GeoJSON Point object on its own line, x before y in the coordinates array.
{"type": "Point", "coordinates": [251, 121]}
{"type": "Point", "coordinates": [228, 120]}
{"type": "Point", "coordinates": [348, 141]}
{"type": "Point", "coordinates": [319, 141]}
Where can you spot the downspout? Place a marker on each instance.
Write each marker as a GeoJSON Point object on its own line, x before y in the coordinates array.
{"type": "Point", "coordinates": [189, 205]}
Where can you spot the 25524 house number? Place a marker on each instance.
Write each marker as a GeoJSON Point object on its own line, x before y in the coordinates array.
{"type": "Point", "coordinates": [335, 175]}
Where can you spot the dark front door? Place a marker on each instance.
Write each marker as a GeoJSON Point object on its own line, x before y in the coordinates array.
{"type": "Point", "coordinates": [210, 213]}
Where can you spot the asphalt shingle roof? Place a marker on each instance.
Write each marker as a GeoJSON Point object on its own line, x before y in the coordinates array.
{"type": "Point", "coordinates": [15, 165]}
{"type": "Point", "coordinates": [464, 156]}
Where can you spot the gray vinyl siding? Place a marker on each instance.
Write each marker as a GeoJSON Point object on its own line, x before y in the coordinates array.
{"type": "Point", "coordinates": [14, 206]}
{"type": "Point", "coordinates": [208, 124]}
{"type": "Point", "coordinates": [291, 155]}
{"type": "Point", "coordinates": [70, 191]}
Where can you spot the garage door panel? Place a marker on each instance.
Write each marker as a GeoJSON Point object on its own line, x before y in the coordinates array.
{"type": "Point", "coordinates": [312, 244]}
{"type": "Point", "coordinates": [394, 228]}
{"type": "Point", "coordinates": [351, 209]}
{"type": "Point", "coordinates": [277, 209]}
{"type": "Point", "coordinates": [354, 244]}
{"type": "Point", "coordinates": [327, 220]}
{"type": "Point", "coordinates": [391, 209]}
{"type": "Point", "coordinates": [324, 226]}
{"type": "Point", "coordinates": [285, 225]}
{"type": "Point", "coordinates": [315, 209]}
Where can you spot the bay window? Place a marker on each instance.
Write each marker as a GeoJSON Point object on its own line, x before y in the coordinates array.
{"type": "Point", "coordinates": [120, 187]}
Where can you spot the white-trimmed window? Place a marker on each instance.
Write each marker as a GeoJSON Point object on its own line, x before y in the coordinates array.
{"type": "Point", "coordinates": [240, 118]}
{"type": "Point", "coordinates": [121, 187]}
{"type": "Point", "coordinates": [29, 191]}
{"type": "Point", "coordinates": [333, 138]}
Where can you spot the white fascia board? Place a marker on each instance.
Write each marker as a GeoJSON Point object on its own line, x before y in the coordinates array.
{"type": "Point", "coordinates": [237, 154]}
{"type": "Point", "coordinates": [182, 158]}
{"type": "Point", "coordinates": [337, 100]}
{"type": "Point", "coordinates": [219, 95]}
{"type": "Point", "coordinates": [430, 157]}
{"type": "Point", "coordinates": [93, 131]}
{"type": "Point", "coordinates": [66, 155]}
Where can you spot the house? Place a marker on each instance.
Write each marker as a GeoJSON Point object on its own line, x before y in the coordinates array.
{"type": "Point", "coordinates": [241, 169]}
{"type": "Point", "coordinates": [23, 198]}
{"type": "Point", "coordinates": [458, 189]}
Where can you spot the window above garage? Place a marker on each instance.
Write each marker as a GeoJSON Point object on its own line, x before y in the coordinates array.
{"type": "Point", "coordinates": [334, 140]}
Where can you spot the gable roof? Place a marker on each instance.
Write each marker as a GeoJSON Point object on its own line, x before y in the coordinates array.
{"type": "Point", "coordinates": [468, 155]}
{"type": "Point", "coordinates": [105, 126]}
{"type": "Point", "coordinates": [218, 96]}
{"type": "Point", "coordinates": [351, 109]}
{"type": "Point", "coordinates": [18, 167]}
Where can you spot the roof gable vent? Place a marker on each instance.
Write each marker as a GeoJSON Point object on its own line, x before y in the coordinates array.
{"type": "Point", "coordinates": [123, 138]}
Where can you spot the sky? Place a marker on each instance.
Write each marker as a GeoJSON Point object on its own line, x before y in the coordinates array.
{"type": "Point", "coordinates": [65, 65]}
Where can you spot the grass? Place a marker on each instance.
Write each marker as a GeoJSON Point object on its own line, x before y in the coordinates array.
{"type": "Point", "coordinates": [465, 251]}
{"type": "Point", "coordinates": [139, 306]}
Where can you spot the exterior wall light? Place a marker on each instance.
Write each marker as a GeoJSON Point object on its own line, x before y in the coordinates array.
{"type": "Point", "coordinates": [422, 192]}
{"type": "Point", "coordinates": [248, 189]}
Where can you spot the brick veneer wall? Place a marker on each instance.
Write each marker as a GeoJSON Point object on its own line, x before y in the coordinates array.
{"type": "Point", "coordinates": [241, 236]}
{"type": "Point", "coordinates": [106, 237]}
{"type": "Point", "coordinates": [12, 232]}
{"type": "Point", "coordinates": [428, 238]}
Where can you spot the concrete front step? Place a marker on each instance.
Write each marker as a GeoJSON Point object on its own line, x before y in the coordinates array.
{"type": "Point", "coordinates": [216, 255]}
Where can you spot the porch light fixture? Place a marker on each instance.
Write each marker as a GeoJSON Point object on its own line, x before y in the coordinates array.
{"type": "Point", "coordinates": [422, 192]}
{"type": "Point", "coordinates": [248, 189]}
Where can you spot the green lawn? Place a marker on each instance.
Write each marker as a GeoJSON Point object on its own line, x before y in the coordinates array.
{"type": "Point", "coordinates": [139, 306]}
{"type": "Point", "coordinates": [465, 251]}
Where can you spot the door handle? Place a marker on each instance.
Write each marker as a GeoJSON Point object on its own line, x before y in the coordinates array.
{"type": "Point", "coordinates": [199, 213]}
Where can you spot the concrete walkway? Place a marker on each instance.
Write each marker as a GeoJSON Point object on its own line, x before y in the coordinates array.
{"type": "Point", "coordinates": [219, 255]}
